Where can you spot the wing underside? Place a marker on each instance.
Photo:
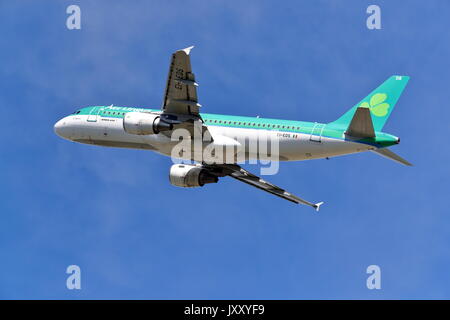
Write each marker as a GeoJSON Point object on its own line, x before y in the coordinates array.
{"type": "Point", "coordinates": [180, 96]}
{"type": "Point", "coordinates": [239, 173]}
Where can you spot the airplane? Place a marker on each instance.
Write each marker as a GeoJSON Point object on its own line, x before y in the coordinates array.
{"type": "Point", "coordinates": [357, 130]}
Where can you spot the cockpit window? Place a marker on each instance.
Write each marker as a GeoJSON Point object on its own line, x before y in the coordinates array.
{"type": "Point", "coordinates": [76, 112]}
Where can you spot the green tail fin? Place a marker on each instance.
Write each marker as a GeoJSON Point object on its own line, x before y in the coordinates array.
{"type": "Point", "coordinates": [380, 102]}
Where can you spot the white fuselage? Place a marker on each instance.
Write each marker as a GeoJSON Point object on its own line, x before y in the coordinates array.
{"type": "Point", "coordinates": [107, 131]}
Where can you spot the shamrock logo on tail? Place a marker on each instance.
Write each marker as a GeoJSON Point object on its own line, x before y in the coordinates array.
{"type": "Point", "coordinates": [377, 104]}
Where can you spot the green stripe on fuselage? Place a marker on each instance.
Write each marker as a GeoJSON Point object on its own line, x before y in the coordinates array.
{"type": "Point", "coordinates": [381, 140]}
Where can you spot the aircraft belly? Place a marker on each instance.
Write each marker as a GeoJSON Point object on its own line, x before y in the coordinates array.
{"type": "Point", "coordinates": [252, 143]}
{"type": "Point", "coordinates": [328, 147]}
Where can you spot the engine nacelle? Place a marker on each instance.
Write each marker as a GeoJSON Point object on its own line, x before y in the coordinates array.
{"type": "Point", "coordinates": [141, 123]}
{"type": "Point", "coordinates": [187, 176]}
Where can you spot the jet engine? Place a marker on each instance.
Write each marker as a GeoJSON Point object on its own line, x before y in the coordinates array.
{"type": "Point", "coordinates": [187, 176]}
{"type": "Point", "coordinates": [141, 123]}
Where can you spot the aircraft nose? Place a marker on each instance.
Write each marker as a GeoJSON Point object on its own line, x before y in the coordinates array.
{"type": "Point", "coordinates": [57, 127]}
{"type": "Point", "coordinates": [60, 127]}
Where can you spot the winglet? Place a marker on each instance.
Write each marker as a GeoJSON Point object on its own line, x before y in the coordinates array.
{"type": "Point", "coordinates": [317, 206]}
{"type": "Point", "coordinates": [187, 50]}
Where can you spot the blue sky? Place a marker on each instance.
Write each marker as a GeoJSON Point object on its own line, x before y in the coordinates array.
{"type": "Point", "coordinates": [114, 213]}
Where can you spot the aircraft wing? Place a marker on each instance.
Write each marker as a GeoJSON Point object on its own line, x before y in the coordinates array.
{"type": "Point", "coordinates": [180, 96]}
{"type": "Point", "coordinates": [238, 173]}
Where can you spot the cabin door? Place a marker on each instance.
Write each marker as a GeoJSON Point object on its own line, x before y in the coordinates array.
{"type": "Point", "coordinates": [316, 132]}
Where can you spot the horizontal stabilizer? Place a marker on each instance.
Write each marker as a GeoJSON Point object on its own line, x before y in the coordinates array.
{"type": "Point", "coordinates": [385, 152]}
{"type": "Point", "coordinates": [361, 125]}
